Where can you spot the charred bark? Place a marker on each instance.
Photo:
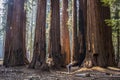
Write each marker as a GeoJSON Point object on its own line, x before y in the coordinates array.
{"type": "Point", "coordinates": [74, 31]}
{"type": "Point", "coordinates": [81, 33]}
{"type": "Point", "coordinates": [54, 38]}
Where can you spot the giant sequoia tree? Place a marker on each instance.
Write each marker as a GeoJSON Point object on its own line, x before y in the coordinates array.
{"type": "Point", "coordinates": [99, 50]}
{"type": "Point", "coordinates": [39, 54]}
{"type": "Point", "coordinates": [54, 38]}
{"type": "Point", "coordinates": [15, 51]}
{"type": "Point", "coordinates": [81, 32]}
{"type": "Point", "coordinates": [65, 41]}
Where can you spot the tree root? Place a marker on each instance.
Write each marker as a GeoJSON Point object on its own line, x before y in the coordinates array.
{"type": "Point", "coordinates": [110, 70]}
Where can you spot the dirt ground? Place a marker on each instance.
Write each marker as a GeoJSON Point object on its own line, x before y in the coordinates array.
{"type": "Point", "coordinates": [22, 73]}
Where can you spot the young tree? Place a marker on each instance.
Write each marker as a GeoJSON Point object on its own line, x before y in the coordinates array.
{"type": "Point", "coordinates": [99, 50]}
{"type": "Point", "coordinates": [65, 41]}
{"type": "Point", "coordinates": [15, 50]}
{"type": "Point", "coordinates": [54, 38]}
{"type": "Point", "coordinates": [39, 54]}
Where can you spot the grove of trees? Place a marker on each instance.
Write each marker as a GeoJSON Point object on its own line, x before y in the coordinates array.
{"type": "Point", "coordinates": [83, 31]}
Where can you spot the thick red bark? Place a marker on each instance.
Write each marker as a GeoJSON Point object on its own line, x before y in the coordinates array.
{"type": "Point", "coordinates": [65, 41]}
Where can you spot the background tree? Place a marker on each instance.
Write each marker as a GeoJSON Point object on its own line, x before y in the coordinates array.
{"type": "Point", "coordinates": [114, 22]}
{"type": "Point", "coordinates": [117, 31]}
{"type": "Point", "coordinates": [31, 11]}
{"type": "Point", "coordinates": [15, 50]}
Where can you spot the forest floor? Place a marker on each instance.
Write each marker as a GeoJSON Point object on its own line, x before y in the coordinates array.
{"type": "Point", "coordinates": [22, 73]}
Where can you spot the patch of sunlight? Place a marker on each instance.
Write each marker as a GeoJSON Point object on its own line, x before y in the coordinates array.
{"type": "Point", "coordinates": [113, 68]}
{"type": "Point", "coordinates": [1, 7]}
{"type": "Point", "coordinates": [1, 1]}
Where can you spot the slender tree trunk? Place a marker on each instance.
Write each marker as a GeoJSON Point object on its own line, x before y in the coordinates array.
{"type": "Point", "coordinates": [74, 31]}
{"type": "Point", "coordinates": [118, 45]}
{"type": "Point", "coordinates": [65, 41]}
{"type": "Point", "coordinates": [39, 54]}
{"type": "Point", "coordinates": [99, 36]}
{"type": "Point", "coordinates": [15, 50]}
{"type": "Point", "coordinates": [54, 38]}
{"type": "Point", "coordinates": [23, 32]}
{"type": "Point", "coordinates": [118, 37]}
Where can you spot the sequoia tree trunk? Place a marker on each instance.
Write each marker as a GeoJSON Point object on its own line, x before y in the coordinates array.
{"type": "Point", "coordinates": [54, 38]}
{"type": "Point", "coordinates": [15, 50]}
{"type": "Point", "coordinates": [74, 32]}
{"type": "Point", "coordinates": [39, 54]}
{"type": "Point", "coordinates": [99, 50]}
{"type": "Point", "coordinates": [65, 41]}
{"type": "Point", "coordinates": [81, 33]}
